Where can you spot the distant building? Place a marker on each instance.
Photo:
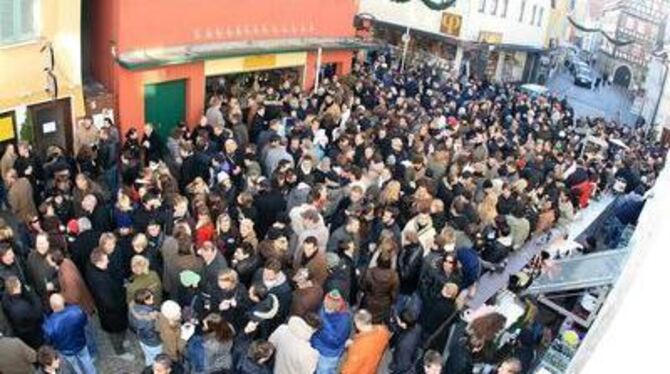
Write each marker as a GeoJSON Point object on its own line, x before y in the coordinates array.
{"type": "Point", "coordinates": [637, 20]}
{"type": "Point", "coordinates": [499, 39]}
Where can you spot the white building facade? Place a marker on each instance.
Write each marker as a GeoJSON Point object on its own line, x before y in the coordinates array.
{"type": "Point", "coordinates": [502, 39]}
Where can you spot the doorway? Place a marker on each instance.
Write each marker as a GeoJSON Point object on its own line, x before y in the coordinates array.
{"type": "Point", "coordinates": [165, 105]}
{"type": "Point", "coordinates": [622, 76]}
{"type": "Point", "coordinates": [52, 124]}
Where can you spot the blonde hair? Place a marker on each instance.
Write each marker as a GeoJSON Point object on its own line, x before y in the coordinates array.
{"type": "Point", "coordinates": [123, 202]}
{"type": "Point", "coordinates": [391, 193]}
{"type": "Point", "coordinates": [140, 261]}
{"type": "Point", "coordinates": [140, 240]}
{"type": "Point", "coordinates": [487, 209]}
{"type": "Point", "coordinates": [228, 275]}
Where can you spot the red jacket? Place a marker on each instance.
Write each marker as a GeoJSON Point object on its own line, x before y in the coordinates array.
{"type": "Point", "coordinates": [203, 234]}
{"type": "Point", "coordinates": [584, 191]}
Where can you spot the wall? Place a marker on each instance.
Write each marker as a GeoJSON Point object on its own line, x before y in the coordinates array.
{"type": "Point", "coordinates": [558, 23]}
{"type": "Point", "coordinates": [130, 94]}
{"type": "Point", "coordinates": [22, 79]}
{"type": "Point", "coordinates": [181, 22]}
{"type": "Point", "coordinates": [341, 58]}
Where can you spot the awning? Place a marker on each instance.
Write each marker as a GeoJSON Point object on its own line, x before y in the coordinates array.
{"type": "Point", "coordinates": [163, 56]}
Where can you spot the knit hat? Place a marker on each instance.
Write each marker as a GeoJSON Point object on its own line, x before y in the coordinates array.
{"type": "Point", "coordinates": [73, 227]}
{"type": "Point", "coordinates": [189, 278]}
{"type": "Point", "coordinates": [171, 310]}
{"type": "Point", "coordinates": [332, 260]}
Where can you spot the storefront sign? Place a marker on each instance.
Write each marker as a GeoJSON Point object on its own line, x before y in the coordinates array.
{"type": "Point", "coordinates": [260, 62]}
{"type": "Point", "coordinates": [490, 37]}
{"type": "Point", "coordinates": [451, 24]}
{"type": "Point", "coordinates": [7, 126]}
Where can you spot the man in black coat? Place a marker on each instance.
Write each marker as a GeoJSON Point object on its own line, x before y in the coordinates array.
{"type": "Point", "coordinates": [23, 309]}
{"type": "Point", "coordinates": [110, 298]}
{"type": "Point", "coordinates": [405, 342]}
{"type": "Point", "coordinates": [87, 239]}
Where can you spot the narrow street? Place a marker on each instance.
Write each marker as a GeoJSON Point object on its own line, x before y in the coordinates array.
{"type": "Point", "coordinates": [611, 102]}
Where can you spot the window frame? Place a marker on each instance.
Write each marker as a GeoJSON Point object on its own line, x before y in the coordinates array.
{"type": "Point", "coordinates": [504, 9]}
{"type": "Point", "coordinates": [494, 7]}
{"type": "Point", "coordinates": [523, 10]}
{"type": "Point", "coordinates": [539, 16]}
{"type": "Point", "coordinates": [532, 18]}
{"type": "Point", "coordinates": [18, 36]}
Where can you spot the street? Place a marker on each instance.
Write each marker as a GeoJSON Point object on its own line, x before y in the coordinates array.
{"type": "Point", "coordinates": [611, 102]}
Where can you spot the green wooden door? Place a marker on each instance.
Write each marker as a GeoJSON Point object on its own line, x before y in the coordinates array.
{"type": "Point", "coordinates": [165, 105]}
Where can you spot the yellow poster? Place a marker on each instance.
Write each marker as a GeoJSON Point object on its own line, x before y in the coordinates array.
{"type": "Point", "coordinates": [259, 62]}
{"type": "Point", "coordinates": [7, 127]}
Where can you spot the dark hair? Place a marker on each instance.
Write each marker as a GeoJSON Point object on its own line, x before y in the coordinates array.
{"type": "Point", "coordinates": [260, 290]}
{"type": "Point", "coordinates": [46, 356]}
{"type": "Point", "coordinates": [273, 264]}
{"type": "Point", "coordinates": [313, 320]}
{"type": "Point", "coordinates": [260, 350]}
{"type": "Point", "coordinates": [219, 327]}
{"type": "Point", "coordinates": [311, 240]}
{"type": "Point", "coordinates": [164, 360]}
{"type": "Point", "coordinates": [384, 260]}
{"type": "Point", "coordinates": [57, 256]}
{"type": "Point", "coordinates": [142, 295]}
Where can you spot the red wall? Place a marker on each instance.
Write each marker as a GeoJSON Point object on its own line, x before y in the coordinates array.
{"type": "Point", "coordinates": [103, 28]}
{"type": "Point", "coordinates": [131, 92]}
{"type": "Point", "coordinates": [341, 58]}
{"type": "Point", "coordinates": [156, 23]}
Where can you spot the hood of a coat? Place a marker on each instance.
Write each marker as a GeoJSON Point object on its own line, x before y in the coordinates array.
{"type": "Point", "coordinates": [300, 328]}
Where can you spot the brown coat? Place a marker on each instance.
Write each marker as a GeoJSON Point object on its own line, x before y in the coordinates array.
{"type": "Point", "coordinates": [545, 221]}
{"type": "Point", "coordinates": [316, 266]}
{"type": "Point", "coordinates": [306, 300]}
{"type": "Point", "coordinates": [173, 345]}
{"type": "Point", "coordinates": [73, 288]}
{"type": "Point", "coordinates": [380, 287]}
{"type": "Point", "coordinates": [20, 197]}
{"type": "Point", "coordinates": [15, 356]}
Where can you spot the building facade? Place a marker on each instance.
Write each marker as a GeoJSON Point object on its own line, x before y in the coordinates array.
{"type": "Point", "coordinates": [40, 71]}
{"type": "Point", "coordinates": [499, 39]}
{"type": "Point", "coordinates": [639, 21]}
{"type": "Point", "coordinates": [159, 58]}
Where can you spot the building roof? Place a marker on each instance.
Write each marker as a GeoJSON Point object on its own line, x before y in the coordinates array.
{"type": "Point", "coordinates": [162, 56]}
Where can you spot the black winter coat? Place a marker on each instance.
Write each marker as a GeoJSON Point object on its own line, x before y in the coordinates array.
{"type": "Point", "coordinates": [110, 298]}
{"type": "Point", "coordinates": [409, 265]}
{"type": "Point", "coordinates": [24, 312]}
{"type": "Point", "coordinates": [406, 346]}
{"type": "Point", "coordinates": [81, 248]}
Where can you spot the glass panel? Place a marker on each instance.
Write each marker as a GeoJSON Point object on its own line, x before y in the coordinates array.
{"type": "Point", "coordinates": [27, 18]}
{"type": "Point", "coordinates": [6, 20]}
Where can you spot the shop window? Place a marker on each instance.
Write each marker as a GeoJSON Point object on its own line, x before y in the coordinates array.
{"type": "Point", "coordinates": [17, 21]}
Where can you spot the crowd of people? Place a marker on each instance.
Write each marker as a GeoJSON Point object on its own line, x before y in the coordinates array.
{"type": "Point", "coordinates": [294, 231]}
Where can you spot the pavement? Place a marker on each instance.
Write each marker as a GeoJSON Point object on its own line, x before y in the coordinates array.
{"type": "Point", "coordinates": [610, 102]}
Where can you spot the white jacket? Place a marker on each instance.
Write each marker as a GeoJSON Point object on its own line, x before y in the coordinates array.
{"type": "Point", "coordinates": [295, 354]}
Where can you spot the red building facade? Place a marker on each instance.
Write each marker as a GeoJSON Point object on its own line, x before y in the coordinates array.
{"type": "Point", "coordinates": [168, 49]}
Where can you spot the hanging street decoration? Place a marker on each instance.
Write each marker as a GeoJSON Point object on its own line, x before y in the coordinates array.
{"type": "Point", "coordinates": [611, 39]}
{"type": "Point", "coordinates": [432, 4]}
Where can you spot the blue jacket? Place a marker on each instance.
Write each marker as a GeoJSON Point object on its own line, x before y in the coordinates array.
{"type": "Point", "coordinates": [333, 334]}
{"type": "Point", "coordinates": [65, 330]}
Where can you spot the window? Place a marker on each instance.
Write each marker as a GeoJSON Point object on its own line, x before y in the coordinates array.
{"type": "Point", "coordinates": [523, 10]}
{"type": "Point", "coordinates": [504, 9]}
{"type": "Point", "coordinates": [494, 7]}
{"type": "Point", "coordinates": [17, 21]}
{"type": "Point", "coordinates": [482, 6]}
{"type": "Point", "coordinates": [539, 17]}
{"type": "Point", "coordinates": [532, 18]}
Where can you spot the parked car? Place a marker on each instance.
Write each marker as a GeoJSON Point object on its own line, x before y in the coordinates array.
{"type": "Point", "coordinates": [584, 78]}
{"type": "Point", "coordinates": [534, 90]}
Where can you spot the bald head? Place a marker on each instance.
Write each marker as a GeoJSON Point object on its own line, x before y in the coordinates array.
{"type": "Point", "coordinates": [57, 302]}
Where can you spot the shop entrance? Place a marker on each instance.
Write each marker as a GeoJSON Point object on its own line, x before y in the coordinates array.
{"type": "Point", "coordinates": [243, 85]}
{"type": "Point", "coordinates": [165, 105]}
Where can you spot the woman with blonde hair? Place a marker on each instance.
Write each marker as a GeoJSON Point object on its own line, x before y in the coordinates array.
{"type": "Point", "coordinates": [391, 194]}
{"type": "Point", "coordinates": [487, 209]}
{"type": "Point", "coordinates": [8, 159]}
{"type": "Point", "coordinates": [247, 232]}
{"type": "Point", "coordinates": [143, 277]}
